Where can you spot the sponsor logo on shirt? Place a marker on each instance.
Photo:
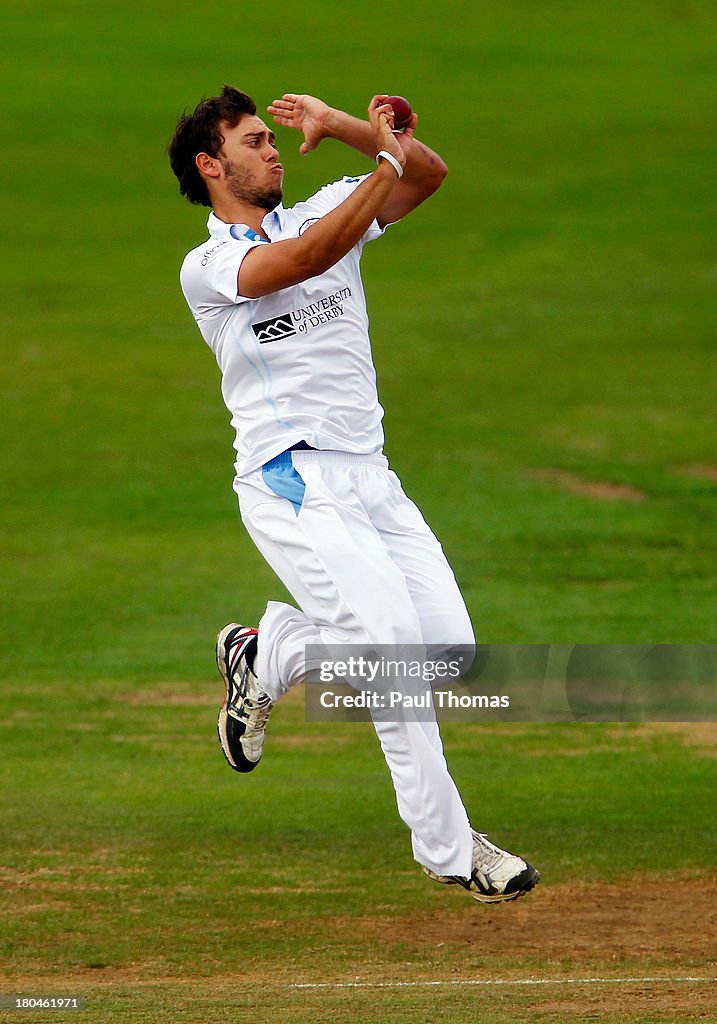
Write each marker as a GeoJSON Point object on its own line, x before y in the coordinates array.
{"type": "Point", "coordinates": [274, 329]}
{"type": "Point", "coordinates": [208, 253]}
{"type": "Point", "coordinates": [303, 319]}
{"type": "Point", "coordinates": [330, 307]}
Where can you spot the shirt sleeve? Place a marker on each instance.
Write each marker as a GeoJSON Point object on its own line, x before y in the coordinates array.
{"type": "Point", "coordinates": [225, 268]}
{"type": "Point", "coordinates": [331, 196]}
{"type": "Point", "coordinates": [209, 276]}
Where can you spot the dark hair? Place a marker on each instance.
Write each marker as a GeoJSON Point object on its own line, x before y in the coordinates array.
{"type": "Point", "coordinates": [200, 132]}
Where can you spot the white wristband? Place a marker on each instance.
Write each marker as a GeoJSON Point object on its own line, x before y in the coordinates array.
{"type": "Point", "coordinates": [392, 160]}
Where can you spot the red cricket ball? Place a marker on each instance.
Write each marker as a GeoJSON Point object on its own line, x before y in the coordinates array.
{"type": "Point", "coordinates": [402, 112]}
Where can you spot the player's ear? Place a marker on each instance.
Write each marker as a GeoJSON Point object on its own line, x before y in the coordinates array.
{"type": "Point", "coordinates": [208, 165]}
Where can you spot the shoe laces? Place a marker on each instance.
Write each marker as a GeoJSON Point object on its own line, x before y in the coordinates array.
{"type": "Point", "coordinates": [490, 855]}
{"type": "Point", "coordinates": [260, 710]}
{"type": "Point", "coordinates": [258, 707]}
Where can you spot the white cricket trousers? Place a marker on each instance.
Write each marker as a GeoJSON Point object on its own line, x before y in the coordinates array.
{"type": "Point", "coordinates": [358, 558]}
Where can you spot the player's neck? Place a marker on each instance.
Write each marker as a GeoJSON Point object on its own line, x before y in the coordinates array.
{"type": "Point", "coordinates": [235, 211]}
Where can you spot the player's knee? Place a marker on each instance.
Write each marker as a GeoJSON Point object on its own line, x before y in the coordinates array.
{"type": "Point", "coordinates": [451, 642]}
{"type": "Point", "coordinates": [448, 630]}
{"type": "Point", "coordinates": [403, 628]}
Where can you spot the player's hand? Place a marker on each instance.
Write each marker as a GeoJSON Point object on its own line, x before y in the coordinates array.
{"type": "Point", "coordinates": [305, 113]}
{"type": "Point", "coordinates": [398, 144]}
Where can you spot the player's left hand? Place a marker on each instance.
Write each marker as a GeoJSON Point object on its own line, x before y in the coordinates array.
{"type": "Point", "coordinates": [305, 113]}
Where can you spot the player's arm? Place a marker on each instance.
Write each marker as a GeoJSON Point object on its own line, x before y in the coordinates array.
{"type": "Point", "coordinates": [424, 170]}
{"type": "Point", "coordinates": [268, 268]}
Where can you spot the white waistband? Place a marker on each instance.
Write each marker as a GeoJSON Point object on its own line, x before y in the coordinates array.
{"type": "Point", "coordinates": [326, 458]}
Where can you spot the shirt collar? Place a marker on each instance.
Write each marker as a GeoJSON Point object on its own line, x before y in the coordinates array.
{"type": "Point", "coordinates": [272, 224]}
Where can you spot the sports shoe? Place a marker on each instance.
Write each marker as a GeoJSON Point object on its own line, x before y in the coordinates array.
{"type": "Point", "coordinates": [243, 715]}
{"type": "Point", "coordinates": [497, 875]}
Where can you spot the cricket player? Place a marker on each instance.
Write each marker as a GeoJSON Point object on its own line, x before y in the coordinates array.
{"type": "Point", "coordinates": [277, 295]}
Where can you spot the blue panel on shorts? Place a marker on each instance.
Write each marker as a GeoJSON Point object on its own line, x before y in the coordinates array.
{"type": "Point", "coordinates": [281, 477]}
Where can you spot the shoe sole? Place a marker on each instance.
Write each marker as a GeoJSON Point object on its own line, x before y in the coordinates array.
{"type": "Point", "coordinates": [526, 881]}
{"type": "Point", "coordinates": [225, 720]}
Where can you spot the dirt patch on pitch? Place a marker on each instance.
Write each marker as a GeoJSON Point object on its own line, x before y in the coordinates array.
{"type": "Point", "coordinates": [692, 1001]}
{"type": "Point", "coordinates": [591, 737]}
{"type": "Point", "coordinates": [175, 693]}
{"type": "Point", "coordinates": [657, 920]}
{"type": "Point", "coordinates": [600, 490]}
{"type": "Point", "coordinates": [47, 882]}
{"type": "Point", "coordinates": [705, 472]}
{"type": "Point", "coordinates": [624, 739]}
{"type": "Point", "coordinates": [701, 736]}
{"type": "Point", "coordinates": [641, 938]}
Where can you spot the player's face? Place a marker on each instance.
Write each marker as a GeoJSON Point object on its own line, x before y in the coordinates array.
{"type": "Point", "coordinates": [250, 162]}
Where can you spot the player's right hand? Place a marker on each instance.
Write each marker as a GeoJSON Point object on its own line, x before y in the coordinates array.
{"type": "Point", "coordinates": [380, 115]}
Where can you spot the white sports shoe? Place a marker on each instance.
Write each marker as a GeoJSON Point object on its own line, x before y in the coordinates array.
{"type": "Point", "coordinates": [243, 715]}
{"type": "Point", "coordinates": [497, 876]}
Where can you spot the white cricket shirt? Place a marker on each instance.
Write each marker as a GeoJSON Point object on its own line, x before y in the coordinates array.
{"type": "Point", "coordinates": [296, 365]}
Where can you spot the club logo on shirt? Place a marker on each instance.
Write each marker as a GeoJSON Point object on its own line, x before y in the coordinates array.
{"type": "Point", "coordinates": [274, 329]}
{"type": "Point", "coordinates": [308, 223]}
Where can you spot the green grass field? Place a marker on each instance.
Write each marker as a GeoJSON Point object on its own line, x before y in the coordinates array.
{"type": "Point", "coordinates": [140, 873]}
{"type": "Point", "coordinates": [544, 336]}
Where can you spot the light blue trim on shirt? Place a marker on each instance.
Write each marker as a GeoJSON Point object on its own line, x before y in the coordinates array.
{"type": "Point", "coordinates": [262, 371]}
{"type": "Point", "coordinates": [281, 477]}
{"type": "Point", "coordinates": [261, 367]}
{"type": "Point", "coordinates": [253, 236]}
